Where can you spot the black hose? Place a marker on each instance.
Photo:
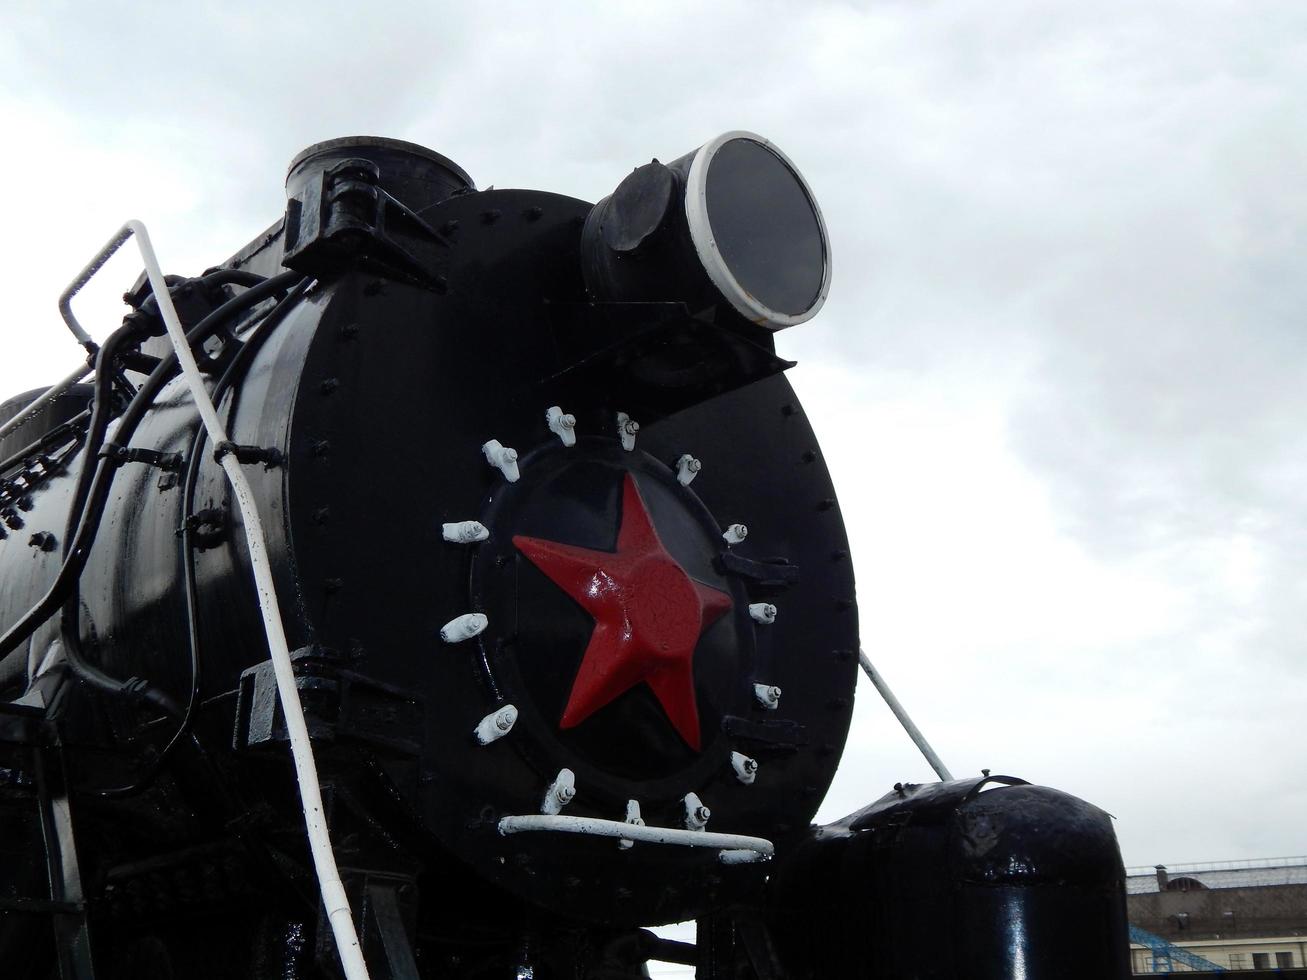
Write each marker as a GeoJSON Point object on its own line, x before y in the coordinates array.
{"type": "Point", "coordinates": [49, 438]}
{"type": "Point", "coordinates": [94, 490]}
{"type": "Point", "coordinates": [235, 369]}
{"type": "Point", "coordinates": [235, 277]}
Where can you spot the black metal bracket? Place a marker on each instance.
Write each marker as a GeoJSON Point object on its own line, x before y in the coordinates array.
{"type": "Point", "coordinates": [784, 735]}
{"type": "Point", "coordinates": [656, 356]}
{"type": "Point", "coordinates": [269, 457]}
{"type": "Point", "coordinates": [770, 573]}
{"type": "Point", "coordinates": [119, 455]}
{"type": "Point", "coordinates": [339, 705]}
{"type": "Point", "coordinates": [208, 527]}
{"type": "Point", "coordinates": [343, 215]}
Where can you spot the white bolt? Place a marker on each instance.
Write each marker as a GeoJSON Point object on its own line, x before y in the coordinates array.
{"type": "Point", "coordinates": [762, 612]}
{"type": "Point", "coordinates": [502, 458]}
{"type": "Point", "coordinates": [627, 429]}
{"type": "Point", "coordinates": [632, 817]}
{"type": "Point", "coordinates": [496, 725]}
{"type": "Point", "coordinates": [463, 627]}
{"type": "Point", "coordinates": [687, 468]}
{"type": "Point", "coordinates": [696, 814]}
{"type": "Point", "coordinates": [735, 534]}
{"type": "Point", "coordinates": [561, 424]}
{"type": "Point", "coordinates": [560, 793]}
{"type": "Point", "coordinates": [464, 532]}
{"type": "Point", "coordinates": [768, 695]}
{"type": "Point", "coordinates": [746, 769]}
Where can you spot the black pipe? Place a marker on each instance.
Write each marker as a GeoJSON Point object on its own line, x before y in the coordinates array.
{"type": "Point", "coordinates": [60, 430]}
{"type": "Point", "coordinates": [235, 369]}
{"type": "Point", "coordinates": [98, 492]}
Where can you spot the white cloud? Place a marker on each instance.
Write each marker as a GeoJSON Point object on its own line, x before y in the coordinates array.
{"type": "Point", "coordinates": [1061, 368]}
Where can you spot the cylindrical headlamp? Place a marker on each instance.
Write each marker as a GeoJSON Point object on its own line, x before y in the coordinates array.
{"type": "Point", "coordinates": [731, 224]}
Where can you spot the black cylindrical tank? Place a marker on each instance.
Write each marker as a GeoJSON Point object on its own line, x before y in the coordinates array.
{"type": "Point", "coordinates": [990, 879]}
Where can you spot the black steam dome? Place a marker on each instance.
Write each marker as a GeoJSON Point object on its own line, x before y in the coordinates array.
{"type": "Point", "coordinates": [360, 198]}
{"type": "Point", "coordinates": [414, 175]}
{"type": "Point", "coordinates": [731, 224]}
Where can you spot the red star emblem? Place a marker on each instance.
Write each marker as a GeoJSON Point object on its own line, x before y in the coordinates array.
{"type": "Point", "coordinates": [648, 617]}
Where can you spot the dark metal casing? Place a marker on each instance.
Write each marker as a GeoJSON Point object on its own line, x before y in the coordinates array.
{"type": "Point", "coordinates": [980, 878]}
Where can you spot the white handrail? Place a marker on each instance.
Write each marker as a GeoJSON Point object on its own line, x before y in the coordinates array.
{"type": "Point", "coordinates": [324, 860]}
{"type": "Point", "coordinates": [621, 830]}
{"type": "Point", "coordinates": [901, 714]}
{"type": "Point", "coordinates": [45, 398]}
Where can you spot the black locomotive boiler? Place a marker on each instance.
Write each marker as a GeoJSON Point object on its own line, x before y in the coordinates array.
{"type": "Point", "coordinates": [568, 595]}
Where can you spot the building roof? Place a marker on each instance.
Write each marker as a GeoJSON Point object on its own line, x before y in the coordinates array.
{"type": "Point", "coordinates": [1223, 874]}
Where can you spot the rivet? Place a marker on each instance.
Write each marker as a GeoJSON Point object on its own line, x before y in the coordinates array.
{"type": "Point", "coordinates": [735, 533]}
{"type": "Point", "coordinates": [746, 769]}
{"type": "Point", "coordinates": [502, 458]}
{"type": "Point", "coordinates": [329, 385]}
{"type": "Point", "coordinates": [464, 532]}
{"type": "Point", "coordinates": [464, 627]}
{"type": "Point", "coordinates": [767, 695]}
{"type": "Point", "coordinates": [449, 227]}
{"type": "Point", "coordinates": [320, 447]}
{"type": "Point", "coordinates": [787, 410]}
{"type": "Point", "coordinates": [491, 216]}
{"type": "Point", "coordinates": [560, 792]}
{"type": "Point", "coordinates": [843, 605]}
{"type": "Point", "coordinates": [697, 814]}
{"type": "Point", "coordinates": [42, 541]}
{"type": "Point", "coordinates": [687, 468]}
{"type": "Point", "coordinates": [627, 429]}
{"type": "Point", "coordinates": [322, 515]}
{"type": "Point", "coordinates": [533, 213]}
{"type": "Point", "coordinates": [374, 288]}
{"type": "Point", "coordinates": [349, 331]}
{"type": "Point", "coordinates": [826, 503]}
{"type": "Point", "coordinates": [809, 456]}
{"type": "Point", "coordinates": [839, 556]}
{"type": "Point", "coordinates": [561, 424]}
{"type": "Point", "coordinates": [495, 725]}
{"type": "Point", "coordinates": [332, 585]}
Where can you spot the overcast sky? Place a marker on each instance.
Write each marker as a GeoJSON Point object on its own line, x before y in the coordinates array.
{"type": "Point", "coordinates": [1061, 377]}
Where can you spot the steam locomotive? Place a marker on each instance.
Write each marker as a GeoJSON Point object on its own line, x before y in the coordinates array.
{"type": "Point", "coordinates": [568, 601]}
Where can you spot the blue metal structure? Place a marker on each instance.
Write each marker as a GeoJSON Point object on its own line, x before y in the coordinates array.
{"type": "Point", "coordinates": [1167, 954]}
